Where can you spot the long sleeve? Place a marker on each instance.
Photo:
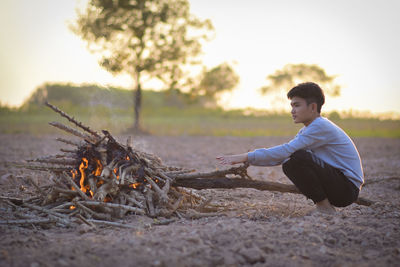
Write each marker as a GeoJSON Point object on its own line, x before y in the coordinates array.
{"type": "Point", "coordinates": [310, 136]}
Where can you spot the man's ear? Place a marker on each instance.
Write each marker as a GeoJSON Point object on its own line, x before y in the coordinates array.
{"type": "Point", "coordinates": [314, 106]}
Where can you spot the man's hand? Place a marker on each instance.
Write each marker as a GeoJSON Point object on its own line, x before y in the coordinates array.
{"type": "Point", "coordinates": [232, 159]}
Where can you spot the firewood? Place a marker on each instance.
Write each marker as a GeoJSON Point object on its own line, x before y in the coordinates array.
{"type": "Point", "coordinates": [52, 214]}
{"type": "Point", "coordinates": [73, 131]}
{"type": "Point", "coordinates": [161, 194]}
{"type": "Point", "coordinates": [54, 160]}
{"type": "Point", "coordinates": [69, 142]}
{"type": "Point", "coordinates": [207, 183]}
{"type": "Point", "coordinates": [133, 201]}
{"type": "Point", "coordinates": [71, 119]}
{"type": "Point", "coordinates": [149, 203]}
{"type": "Point", "coordinates": [14, 200]}
{"type": "Point", "coordinates": [92, 213]}
{"type": "Point", "coordinates": [73, 184]}
{"type": "Point", "coordinates": [86, 221]}
{"type": "Point", "coordinates": [28, 221]}
{"type": "Point", "coordinates": [112, 205]}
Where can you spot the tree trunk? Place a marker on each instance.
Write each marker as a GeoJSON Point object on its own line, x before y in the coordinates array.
{"type": "Point", "coordinates": [137, 103]}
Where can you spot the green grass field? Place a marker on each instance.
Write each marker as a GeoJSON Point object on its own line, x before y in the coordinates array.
{"type": "Point", "coordinates": [163, 113]}
{"type": "Point", "coordinates": [183, 121]}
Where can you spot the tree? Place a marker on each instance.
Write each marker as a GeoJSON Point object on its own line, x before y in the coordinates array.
{"type": "Point", "coordinates": [292, 74]}
{"type": "Point", "coordinates": [216, 80]}
{"type": "Point", "coordinates": [143, 38]}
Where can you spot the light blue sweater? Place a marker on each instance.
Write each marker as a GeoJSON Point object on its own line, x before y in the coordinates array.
{"type": "Point", "coordinates": [323, 138]}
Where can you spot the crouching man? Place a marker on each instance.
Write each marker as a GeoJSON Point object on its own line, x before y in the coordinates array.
{"type": "Point", "coordinates": [321, 160]}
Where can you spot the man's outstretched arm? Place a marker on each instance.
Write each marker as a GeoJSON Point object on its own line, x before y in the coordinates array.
{"type": "Point", "coordinates": [232, 159]}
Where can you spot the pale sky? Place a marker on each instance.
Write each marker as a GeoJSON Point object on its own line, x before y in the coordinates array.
{"type": "Point", "coordinates": [358, 40]}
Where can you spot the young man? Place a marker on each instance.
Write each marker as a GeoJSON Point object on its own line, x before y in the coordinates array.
{"type": "Point", "coordinates": [321, 160]}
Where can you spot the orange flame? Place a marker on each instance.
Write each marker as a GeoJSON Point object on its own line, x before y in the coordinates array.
{"type": "Point", "coordinates": [72, 207]}
{"type": "Point", "coordinates": [99, 168]}
{"type": "Point", "coordinates": [134, 185]}
{"type": "Point", "coordinates": [82, 169]}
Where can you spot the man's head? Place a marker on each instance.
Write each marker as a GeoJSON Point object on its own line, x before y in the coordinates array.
{"type": "Point", "coordinates": [311, 92]}
{"type": "Point", "coordinates": [306, 100]}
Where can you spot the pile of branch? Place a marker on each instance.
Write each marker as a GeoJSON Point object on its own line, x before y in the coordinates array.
{"type": "Point", "coordinates": [99, 180]}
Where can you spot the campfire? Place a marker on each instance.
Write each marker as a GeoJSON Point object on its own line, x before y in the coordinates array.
{"type": "Point", "coordinates": [98, 180]}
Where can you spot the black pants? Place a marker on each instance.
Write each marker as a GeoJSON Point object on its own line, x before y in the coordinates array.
{"type": "Point", "coordinates": [318, 180]}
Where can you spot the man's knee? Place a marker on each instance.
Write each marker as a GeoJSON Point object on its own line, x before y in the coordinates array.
{"type": "Point", "coordinates": [295, 160]}
{"type": "Point", "coordinates": [300, 155]}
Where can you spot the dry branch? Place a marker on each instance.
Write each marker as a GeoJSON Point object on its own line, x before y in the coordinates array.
{"type": "Point", "coordinates": [68, 142]}
{"type": "Point", "coordinates": [29, 221]}
{"type": "Point", "coordinates": [73, 131]}
{"type": "Point", "coordinates": [208, 183]}
{"type": "Point", "coordinates": [112, 205]}
{"type": "Point", "coordinates": [71, 119]}
{"type": "Point", "coordinates": [73, 184]}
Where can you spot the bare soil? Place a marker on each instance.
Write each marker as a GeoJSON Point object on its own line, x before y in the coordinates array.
{"type": "Point", "coordinates": [255, 228]}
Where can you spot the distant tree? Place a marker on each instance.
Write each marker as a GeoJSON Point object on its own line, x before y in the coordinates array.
{"type": "Point", "coordinates": [292, 74]}
{"type": "Point", "coordinates": [143, 38]}
{"type": "Point", "coordinates": [216, 80]}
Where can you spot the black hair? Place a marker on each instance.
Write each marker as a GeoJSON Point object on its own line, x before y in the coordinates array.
{"type": "Point", "coordinates": [310, 91]}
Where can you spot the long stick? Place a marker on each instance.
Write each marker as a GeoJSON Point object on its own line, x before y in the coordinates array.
{"type": "Point", "coordinates": [68, 142]}
{"type": "Point", "coordinates": [208, 183]}
{"type": "Point", "coordinates": [72, 131]}
{"type": "Point", "coordinates": [73, 120]}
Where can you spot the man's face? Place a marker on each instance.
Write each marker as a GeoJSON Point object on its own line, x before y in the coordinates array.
{"type": "Point", "coordinates": [301, 112]}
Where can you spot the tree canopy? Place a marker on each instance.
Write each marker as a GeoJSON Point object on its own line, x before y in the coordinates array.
{"type": "Point", "coordinates": [143, 38]}
{"type": "Point", "coordinates": [216, 80]}
{"type": "Point", "coordinates": [292, 74]}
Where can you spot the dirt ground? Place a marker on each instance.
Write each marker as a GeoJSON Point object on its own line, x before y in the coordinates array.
{"type": "Point", "coordinates": [259, 228]}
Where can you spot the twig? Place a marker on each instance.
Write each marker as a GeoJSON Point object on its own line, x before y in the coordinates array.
{"type": "Point", "coordinates": [73, 131]}
{"type": "Point", "coordinates": [86, 221]}
{"type": "Point", "coordinates": [36, 186]}
{"type": "Point", "coordinates": [14, 200]}
{"type": "Point", "coordinates": [94, 214]}
{"type": "Point", "coordinates": [71, 119]}
{"type": "Point", "coordinates": [149, 202]}
{"type": "Point", "coordinates": [112, 205]}
{"type": "Point", "coordinates": [132, 200]}
{"type": "Point", "coordinates": [66, 191]}
{"type": "Point", "coordinates": [62, 206]}
{"type": "Point", "coordinates": [69, 142]}
{"type": "Point", "coordinates": [50, 212]}
{"type": "Point", "coordinates": [28, 221]}
{"type": "Point", "coordinates": [73, 184]}
{"type": "Point", "coordinates": [61, 218]}
{"type": "Point", "coordinates": [54, 160]}
{"type": "Point", "coordinates": [161, 193]}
